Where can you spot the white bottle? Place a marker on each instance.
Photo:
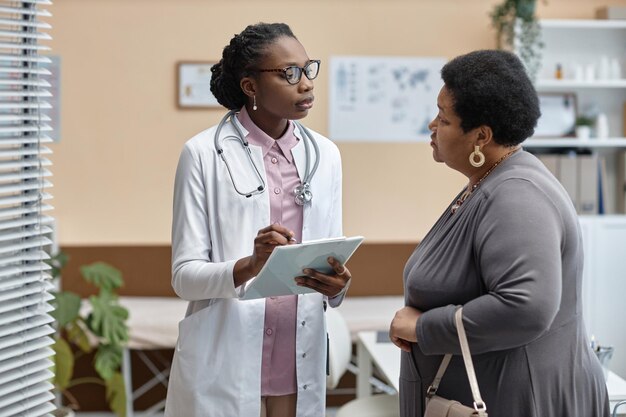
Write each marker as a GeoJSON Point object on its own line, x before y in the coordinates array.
{"type": "Point", "coordinates": [590, 73]}
{"type": "Point", "coordinates": [602, 126]}
{"type": "Point", "coordinates": [616, 69]}
{"type": "Point", "coordinates": [579, 72]}
{"type": "Point", "coordinates": [604, 72]}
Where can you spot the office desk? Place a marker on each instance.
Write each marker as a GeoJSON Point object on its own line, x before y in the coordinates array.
{"type": "Point", "coordinates": [386, 357]}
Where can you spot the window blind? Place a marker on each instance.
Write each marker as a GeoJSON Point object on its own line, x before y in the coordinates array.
{"type": "Point", "coordinates": [25, 226]}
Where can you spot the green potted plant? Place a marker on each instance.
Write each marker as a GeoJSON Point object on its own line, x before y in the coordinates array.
{"type": "Point", "coordinates": [517, 28]}
{"type": "Point", "coordinates": [99, 326]}
{"type": "Point", "coordinates": [583, 126]}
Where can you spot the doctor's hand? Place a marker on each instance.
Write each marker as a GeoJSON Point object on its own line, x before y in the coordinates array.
{"type": "Point", "coordinates": [329, 285]}
{"type": "Point", "coordinates": [402, 328]}
{"type": "Point", "coordinates": [264, 243]}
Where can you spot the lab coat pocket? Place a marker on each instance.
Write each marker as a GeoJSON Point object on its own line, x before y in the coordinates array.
{"type": "Point", "coordinates": [198, 346]}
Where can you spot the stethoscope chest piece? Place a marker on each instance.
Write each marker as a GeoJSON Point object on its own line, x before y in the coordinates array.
{"type": "Point", "coordinates": [303, 194]}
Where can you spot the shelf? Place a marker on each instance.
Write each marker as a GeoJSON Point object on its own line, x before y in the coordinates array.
{"type": "Point", "coordinates": [582, 24]}
{"type": "Point", "coordinates": [571, 84]}
{"type": "Point", "coordinates": [574, 143]}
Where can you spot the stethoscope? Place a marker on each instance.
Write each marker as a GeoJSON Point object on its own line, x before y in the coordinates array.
{"type": "Point", "coordinates": [302, 192]}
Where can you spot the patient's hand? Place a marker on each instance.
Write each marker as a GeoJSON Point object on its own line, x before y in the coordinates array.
{"type": "Point", "coordinates": [402, 328]}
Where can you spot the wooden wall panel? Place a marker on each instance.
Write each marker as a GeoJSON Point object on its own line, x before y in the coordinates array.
{"type": "Point", "coordinates": [376, 268]}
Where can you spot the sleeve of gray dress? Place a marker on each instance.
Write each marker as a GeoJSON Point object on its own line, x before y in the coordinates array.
{"type": "Point", "coordinates": [517, 245]}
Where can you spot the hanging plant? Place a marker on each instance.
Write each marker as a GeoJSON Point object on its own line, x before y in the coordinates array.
{"type": "Point", "coordinates": [517, 29]}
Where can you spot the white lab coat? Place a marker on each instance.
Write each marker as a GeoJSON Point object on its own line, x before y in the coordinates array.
{"type": "Point", "coordinates": [216, 371]}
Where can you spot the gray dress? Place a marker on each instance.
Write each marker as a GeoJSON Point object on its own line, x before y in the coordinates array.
{"type": "Point", "coordinates": [512, 257]}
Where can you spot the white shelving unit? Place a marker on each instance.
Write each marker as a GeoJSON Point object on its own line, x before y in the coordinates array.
{"type": "Point", "coordinates": [583, 44]}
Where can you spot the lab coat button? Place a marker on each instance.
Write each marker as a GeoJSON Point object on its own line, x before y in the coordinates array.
{"type": "Point", "coordinates": [276, 190]}
{"type": "Point", "coordinates": [274, 160]}
{"type": "Point", "coordinates": [269, 332]}
{"type": "Point", "coordinates": [303, 322]}
{"type": "Point", "coordinates": [304, 355]}
{"type": "Point", "coordinates": [305, 386]}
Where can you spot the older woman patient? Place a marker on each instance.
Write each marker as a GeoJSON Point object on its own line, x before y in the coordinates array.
{"type": "Point", "coordinates": [508, 249]}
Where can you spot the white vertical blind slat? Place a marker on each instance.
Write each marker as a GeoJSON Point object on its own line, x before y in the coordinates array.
{"type": "Point", "coordinates": [25, 186]}
{"type": "Point", "coordinates": [28, 369]}
{"type": "Point", "coordinates": [33, 345]}
{"type": "Point", "coordinates": [28, 323]}
{"type": "Point", "coordinates": [22, 293]}
{"type": "Point", "coordinates": [26, 336]}
{"type": "Point", "coordinates": [25, 221]}
{"type": "Point", "coordinates": [21, 10]}
{"type": "Point", "coordinates": [18, 22]}
{"type": "Point", "coordinates": [18, 281]}
{"type": "Point", "coordinates": [34, 406]}
{"type": "Point", "coordinates": [24, 35]}
{"type": "Point", "coordinates": [26, 359]}
{"type": "Point", "coordinates": [21, 398]}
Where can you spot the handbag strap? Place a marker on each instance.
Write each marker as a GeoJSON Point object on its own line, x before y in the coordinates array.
{"type": "Point", "coordinates": [479, 404]}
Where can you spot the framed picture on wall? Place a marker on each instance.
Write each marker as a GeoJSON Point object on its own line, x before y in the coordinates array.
{"type": "Point", "coordinates": [194, 85]}
{"type": "Point", "coordinates": [558, 115]}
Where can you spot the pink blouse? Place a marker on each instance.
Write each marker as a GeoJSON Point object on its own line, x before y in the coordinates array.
{"type": "Point", "coordinates": [278, 368]}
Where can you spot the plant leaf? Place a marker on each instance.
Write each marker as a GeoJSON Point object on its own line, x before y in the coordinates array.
{"type": "Point", "coordinates": [57, 262]}
{"type": "Point", "coordinates": [102, 275]}
{"type": "Point", "coordinates": [108, 360]}
{"type": "Point", "coordinates": [63, 363]}
{"type": "Point", "coordinates": [66, 307]}
{"type": "Point", "coordinates": [77, 335]}
{"type": "Point", "coordinates": [108, 318]}
{"type": "Point", "coordinates": [116, 394]}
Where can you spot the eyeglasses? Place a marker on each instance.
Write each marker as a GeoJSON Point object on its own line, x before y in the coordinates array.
{"type": "Point", "coordinates": [293, 73]}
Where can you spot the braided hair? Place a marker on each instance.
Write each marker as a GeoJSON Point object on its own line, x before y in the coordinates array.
{"type": "Point", "coordinates": [243, 52]}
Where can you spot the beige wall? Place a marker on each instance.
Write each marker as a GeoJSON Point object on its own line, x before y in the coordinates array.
{"type": "Point", "coordinates": [122, 132]}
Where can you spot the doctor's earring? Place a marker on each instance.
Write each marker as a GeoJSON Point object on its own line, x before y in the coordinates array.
{"type": "Point", "coordinates": [474, 155]}
{"type": "Point", "coordinates": [254, 107]}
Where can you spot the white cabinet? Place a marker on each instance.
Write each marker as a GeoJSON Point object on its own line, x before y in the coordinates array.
{"type": "Point", "coordinates": [586, 51]}
{"type": "Point", "coordinates": [604, 284]}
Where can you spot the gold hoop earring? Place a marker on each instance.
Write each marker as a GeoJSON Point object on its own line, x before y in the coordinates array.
{"type": "Point", "coordinates": [254, 107]}
{"type": "Point", "coordinates": [479, 154]}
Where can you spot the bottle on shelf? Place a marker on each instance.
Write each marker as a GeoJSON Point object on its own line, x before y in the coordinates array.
{"type": "Point", "coordinates": [615, 69]}
{"type": "Point", "coordinates": [602, 126]}
{"type": "Point", "coordinates": [558, 73]}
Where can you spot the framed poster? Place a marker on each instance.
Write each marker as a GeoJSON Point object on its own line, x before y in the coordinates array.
{"type": "Point", "coordinates": [194, 85]}
{"type": "Point", "coordinates": [558, 115]}
{"type": "Point", "coordinates": [383, 98]}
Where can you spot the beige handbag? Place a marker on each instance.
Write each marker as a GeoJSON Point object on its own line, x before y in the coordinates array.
{"type": "Point", "coordinates": [437, 406]}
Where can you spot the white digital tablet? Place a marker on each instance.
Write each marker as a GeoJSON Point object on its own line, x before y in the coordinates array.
{"type": "Point", "coordinates": [287, 262]}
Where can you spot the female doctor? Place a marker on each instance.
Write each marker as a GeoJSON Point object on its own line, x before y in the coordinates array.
{"type": "Point", "coordinates": [232, 207]}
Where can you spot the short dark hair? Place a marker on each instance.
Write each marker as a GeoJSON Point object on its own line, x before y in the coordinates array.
{"type": "Point", "coordinates": [491, 87]}
{"type": "Point", "coordinates": [243, 53]}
